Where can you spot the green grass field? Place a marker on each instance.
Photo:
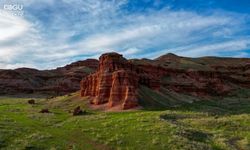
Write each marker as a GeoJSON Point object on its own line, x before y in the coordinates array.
{"type": "Point", "coordinates": [218, 125]}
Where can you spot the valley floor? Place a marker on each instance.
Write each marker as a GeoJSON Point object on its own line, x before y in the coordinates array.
{"type": "Point", "coordinates": [199, 126]}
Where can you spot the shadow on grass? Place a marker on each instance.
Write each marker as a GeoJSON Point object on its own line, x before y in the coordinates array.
{"type": "Point", "coordinates": [227, 106]}
{"type": "Point", "coordinates": [236, 102]}
{"type": "Point", "coordinates": [219, 107]}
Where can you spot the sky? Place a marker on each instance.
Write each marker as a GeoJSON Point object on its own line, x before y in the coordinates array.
{"type": "Point", "coordinates": [46, 34]}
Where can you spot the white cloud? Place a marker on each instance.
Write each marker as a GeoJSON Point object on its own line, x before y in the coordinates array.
{"type": "Point", "coordinates": [88, 28]}
{"type": "Point", "coordinates": [168, 27]}
{"type": "Point", "coordinates": [214, 48]}
{"type": "Point", "coordinates": [131, 51]}
{"type": "Point", "coordinates": [11, 26]}
{"type": "Point", "coordinates": [211, 49]}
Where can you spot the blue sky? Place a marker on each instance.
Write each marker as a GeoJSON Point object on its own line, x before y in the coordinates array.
{"type": "Point", "coordinates": [53, 33]}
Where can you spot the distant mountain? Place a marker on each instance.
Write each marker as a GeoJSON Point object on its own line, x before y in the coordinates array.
{"type": "Point", "coordinates": [53, 82]}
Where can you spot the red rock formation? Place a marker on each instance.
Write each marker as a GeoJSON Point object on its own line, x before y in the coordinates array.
{"type": "Point", "coordinates": [115, 82]}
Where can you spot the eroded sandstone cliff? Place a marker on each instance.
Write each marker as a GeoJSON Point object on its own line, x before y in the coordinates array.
{"type": "Point", "coordinates": [116, 82]}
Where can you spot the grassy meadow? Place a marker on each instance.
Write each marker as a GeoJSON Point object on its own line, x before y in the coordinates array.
{"type": "Point", "coordinates": [216, 125]}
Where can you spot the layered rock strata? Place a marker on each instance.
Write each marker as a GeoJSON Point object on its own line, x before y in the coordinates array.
{"type": "Point", "coordinates": [116, 82]}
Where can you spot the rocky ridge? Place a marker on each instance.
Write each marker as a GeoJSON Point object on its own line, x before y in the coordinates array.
{"type": "Point", "coordinates": [58, 81]}
{"type": "Point", "coordinates": [118, 80]}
